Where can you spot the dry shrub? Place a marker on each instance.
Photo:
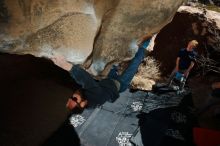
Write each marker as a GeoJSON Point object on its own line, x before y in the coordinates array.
{"type": "Point", "coordinates": [149, 69]}
{"type": "Point", "coordinates": [148, 73]}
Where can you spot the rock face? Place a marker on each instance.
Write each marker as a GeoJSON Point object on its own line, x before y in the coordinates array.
{"type": "Point", "coordinates": [206, 2]}
{"type": "Point", "coordinates": [213, 2]}
{"type": "Point", "coordinates": [189, 23]}
{"type": "Point", "coordinates": [128, 22]}
{"type": "Point", "coordinates": [42, 27]}
{"type": "Point", "coordinates": [72, 27]}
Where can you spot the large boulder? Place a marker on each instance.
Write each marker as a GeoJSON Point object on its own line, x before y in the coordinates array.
{"type": "Point", "coordinates": [93, 32]}
{"type": "Point", "coordinates": [190, 23]}
{"type": "Point", "coordinates": [42, 27]}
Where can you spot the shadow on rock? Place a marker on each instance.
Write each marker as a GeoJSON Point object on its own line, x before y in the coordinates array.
{"type": "Point", "coordinates": [65, 135]}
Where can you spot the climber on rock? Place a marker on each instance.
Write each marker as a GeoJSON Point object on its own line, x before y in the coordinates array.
{"type": "Point", "coordinates": [92, 92]}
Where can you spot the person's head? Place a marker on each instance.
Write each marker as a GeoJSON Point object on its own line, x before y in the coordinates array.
{"type": "Point", "coordinates": [77, 102]}
{"type": "Point", "coordinates": [192, 44]}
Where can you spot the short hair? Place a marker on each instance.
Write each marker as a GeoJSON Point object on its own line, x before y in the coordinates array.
{"type": "Point", "coordinates": [81, 93]}
{"type": "Point", "coordinates": [79, 110]}
{"type": "Point", "coordinates": [194, 42]}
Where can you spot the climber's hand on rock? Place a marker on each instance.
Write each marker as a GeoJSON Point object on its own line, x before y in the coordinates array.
{"type": "Point", "coordinates": [61, 62]}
